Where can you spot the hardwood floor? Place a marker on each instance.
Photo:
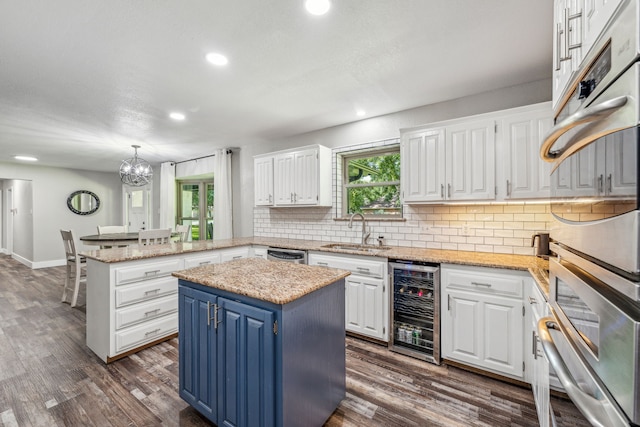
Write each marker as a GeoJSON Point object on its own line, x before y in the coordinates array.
{"type": "Point", "coordinates": [48, 377]}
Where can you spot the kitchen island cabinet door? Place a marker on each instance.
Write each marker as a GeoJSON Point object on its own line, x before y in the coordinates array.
{"type": "Point", "coordinates": [246, 365]}
{"type": "Point", "coordinates": [198, 350]}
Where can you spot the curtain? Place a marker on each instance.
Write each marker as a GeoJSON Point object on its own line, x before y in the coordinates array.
{"type": "Point", "coordinates": [223, 201]}
{"type": "Point", "coordinates": [167, 195]}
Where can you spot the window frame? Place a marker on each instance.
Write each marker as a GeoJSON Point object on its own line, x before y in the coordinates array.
{"type": "Point", "coordinates": [346, 157]}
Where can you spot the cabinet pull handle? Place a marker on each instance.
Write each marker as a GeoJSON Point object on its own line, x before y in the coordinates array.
{"type": "Point", "coordinates": [568, 19]}
{"type": "Point", "coordinates": [609, 184]}
{"type": "Point", "coordinates": [295, 197]}
{"type": "Point", "coordinates": [448, 302]}
{"type": "Point", "coordinates": [216, 322]}
{"type": "Point", "coordinates": [532, 300]}
{"type": "Point", "coordinates": [205, 263]}
{"type": "Point", "coordinates": [152, 312]}
{"type": "Point", "coordinates": [270, 199]}
{"type": "Point", "coordinates": [508, 188]}
{"type": "Point", "coordinates": [324, 264]}
{"type": "Point", "coordinates": [152, 292]}
{"type": "Point", "coordinates": [486, 285]}
{"type": "Point", "coordinates": [558, 46]}
{"type": "Point", "coordinates": [442, 191]}
{"type": "Point", "coordinates": [151, 273]}
{"type": "Point", "coordinates": [155, 331]}
{"type": "Point", "coordinates": [448, 191]}
{"type": "Point", "coordinates": [600, 184]}
{"type": "Point", "coordinates": [237, 257]}
{"type": "Point", "coordinates": [534, 345]}
{"type": "Point", "coordinates": [291, 197]}
{"type": "Point", "coordinates": [362, 269]}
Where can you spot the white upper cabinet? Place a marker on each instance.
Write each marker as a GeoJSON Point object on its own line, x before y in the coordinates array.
{"type": "Point", "coordinates": [263, 178]}
{"type": "Point", "coordinates": [526, 175]}
{"type": "Point", "coordinates": [454, 162]}
{"type": "Point", "coordinates": [596, 14]}
{"type": "Point", "coordinates": [470, 161]}
{"type": "Point", "coordinates": [567, 44]}
{"type": "Point", "coordinates": [423, 166]}
{"type": "Point", "coordinates": [300, 177]}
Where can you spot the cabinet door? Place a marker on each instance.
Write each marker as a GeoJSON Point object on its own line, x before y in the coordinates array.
{"type": "Point", "coordinates": [485, 331]}
{"type": "Point", "coordinates": [197, 351]}
{"type": "Point", "coordinates": [596, 14]}
{"type": "Point", "coordinates": [305, 180]}
{"type": "Point", "coordinates": [263, 176]}
{"type": "Point", "coordinates": [283, 176]}
{"type": "Point", "coordinates": [462, 327]}
{"type": "Point", "coordinates": [526, 175]}
{"type": "Point", "coordinates": [423, 166]}
{"type": "Point", "coordinates": [470, 157]}
{"type": "Point", "coordinates": [246, 365]}
{"type": "Point", "coordinates": [621, 157]}
{"type": "Point", "coordinates": [365, 302]}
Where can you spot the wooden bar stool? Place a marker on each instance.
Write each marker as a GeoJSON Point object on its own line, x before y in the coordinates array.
{"type": "Point", "coordinates": [76, 267]}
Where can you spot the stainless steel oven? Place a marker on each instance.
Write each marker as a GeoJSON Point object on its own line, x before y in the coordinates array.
{"type": "Point", "coordinates": [592, 339]}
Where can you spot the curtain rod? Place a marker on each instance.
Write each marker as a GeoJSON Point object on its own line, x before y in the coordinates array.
{"type": "Point", "coordinates": [229, 151]}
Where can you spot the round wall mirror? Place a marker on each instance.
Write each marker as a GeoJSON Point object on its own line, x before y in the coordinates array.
{"type": "Point", "coordinates": [83, 202]}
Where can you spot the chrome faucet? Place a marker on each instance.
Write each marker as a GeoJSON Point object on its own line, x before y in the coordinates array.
{"type": "Point", "coordinates": [365, 233]}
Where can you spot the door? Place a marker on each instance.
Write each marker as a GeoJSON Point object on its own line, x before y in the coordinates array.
{"type": "Point", "coordinates": [470, 156]}
{"type": "Point", "coordinates": [195, 208]}
{"type": "Point", "coordinates": [263, 185]}
{"type": "Point", "coordinates": [305, 182]}
{"type": "Point", "coordinates": [462, 327]}
{"type": "Point", "coordinates": [423, 166]}
{"type": "Point", "coordinates": [283, 179]}
{"type": "Point", "coordinates": [137, 208]}
{"type": "Point", "coordinates": [246, 363]}
{"type": "Point", "coordinates": [197, 351]}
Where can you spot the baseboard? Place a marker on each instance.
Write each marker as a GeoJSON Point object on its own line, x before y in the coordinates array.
{"type": "Point", "coordinates": [4, 251]}
{"type": "Point", "coordinates": [22, 260]}
{"type": "Point", "coordinates": [47, 264]}
{"type": "Point", "coordinates": [40, 264]}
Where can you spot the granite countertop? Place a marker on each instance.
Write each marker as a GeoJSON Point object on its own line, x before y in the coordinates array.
{"type": "Point", "coordinates": [276, 282]}
{"type": "Point", "coordinates": [536, 266]}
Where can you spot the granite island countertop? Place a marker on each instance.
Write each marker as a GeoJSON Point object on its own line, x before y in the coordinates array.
{"type": "Point", "coordinates": [273, 281]}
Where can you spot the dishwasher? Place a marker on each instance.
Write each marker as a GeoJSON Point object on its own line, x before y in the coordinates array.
{"type": "Point", "coordinates": [287, 255]}
{"type": "Point", "coordinates": [415, 309]}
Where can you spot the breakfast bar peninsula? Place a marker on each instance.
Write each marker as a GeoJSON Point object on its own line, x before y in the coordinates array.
{"type": "Point", "coordinates": [262, 342]}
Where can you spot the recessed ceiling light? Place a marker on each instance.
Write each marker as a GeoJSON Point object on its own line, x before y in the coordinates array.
{"type": "Point", "coordinates": [26, 158]}
{"type": "Point", "coordinates": [360, 113]}
{"type": "Point", "coordinates": [317, 7]}
{"type": "Point", "coordinates": [177, 116]}
{"type": "Point", "coordinates": [217, 59]}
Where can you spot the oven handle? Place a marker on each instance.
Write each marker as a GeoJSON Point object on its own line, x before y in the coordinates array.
{"type": "Point", "coordinates": [587, 115]}
{"type": "Point", "coordinates": [593, 409]}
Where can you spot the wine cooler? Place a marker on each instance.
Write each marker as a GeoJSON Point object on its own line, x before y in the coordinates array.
{"type": "Point", "coordinates": [415, 309]}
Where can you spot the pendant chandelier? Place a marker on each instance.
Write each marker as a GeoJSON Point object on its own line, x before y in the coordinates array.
{"type": "Point", "coordinates": [135, 171]}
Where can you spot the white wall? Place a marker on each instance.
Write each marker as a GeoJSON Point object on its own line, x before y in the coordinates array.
{"type": "Point", "coordinates": [50, 188]}
{"type": "Point", "coordinates": [375, 129]}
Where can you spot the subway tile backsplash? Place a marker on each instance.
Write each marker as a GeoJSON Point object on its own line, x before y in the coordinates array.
{"type": "Point", "coordinates": [496, 228]}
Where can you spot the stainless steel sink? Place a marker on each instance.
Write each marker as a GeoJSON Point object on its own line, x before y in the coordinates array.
{"type": "Point", "coordinates": [357, 248]}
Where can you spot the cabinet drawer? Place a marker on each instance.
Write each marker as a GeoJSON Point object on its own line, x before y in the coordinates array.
{"type": "Point", "coordinates": [143, 312]}
{"type": "Point", "coordinates": [358, 266]}
{"type": "Point", "coordinates": [213, 258]}
{"type": "Point", "coordinates": [147, 290]}
{"type": "Point", "coordinates": [149, 331]}
{"type": "Point", "coordinates": [147, 271]}
{"type": "Point", "coordinates": [232, 254]}
{"type": "Point", "coordinates": [484, 281]}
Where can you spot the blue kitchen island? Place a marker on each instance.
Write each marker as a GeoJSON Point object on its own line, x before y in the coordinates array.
{"type": "Point", "coordinates": [262, 343]}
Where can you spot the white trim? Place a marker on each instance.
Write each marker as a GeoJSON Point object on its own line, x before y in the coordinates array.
{"type": "Point", "coordinates": [22, 260]}
{"type": "Point", "coordinates": [50, 263]}
{"type": "Point", "coordinates": [4, 251]}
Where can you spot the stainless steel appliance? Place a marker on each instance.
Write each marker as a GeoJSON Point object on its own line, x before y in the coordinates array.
{"type": "Point", "coordinates": [415, 313]}
{"type": "Point", "coordinates": [593, 338]}
{"type": "Point", "coordinates": [288, 255]}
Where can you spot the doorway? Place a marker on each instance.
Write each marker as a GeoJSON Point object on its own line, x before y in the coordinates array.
{"type": "Point", "coordinates": [195, 208]}
{"type": "Point", "coordinates": [137, 208]}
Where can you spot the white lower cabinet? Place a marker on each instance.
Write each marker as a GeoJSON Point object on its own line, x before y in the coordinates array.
{"type": "Point", "coordinates": [134, 303]}
{"type": "Point", "coordinates": [483, 318]}
{"type": "Point", "coordinates": [366, 298]}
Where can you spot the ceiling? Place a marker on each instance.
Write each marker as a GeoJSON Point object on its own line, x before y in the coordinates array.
{"type": "Point", "coordinates": [83, 80]}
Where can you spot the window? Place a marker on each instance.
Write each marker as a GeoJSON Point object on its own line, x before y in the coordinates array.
{"type": "Point", "coordinates": [371, 183]}
{"type": "Point", "coordinates": [195, 210]}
